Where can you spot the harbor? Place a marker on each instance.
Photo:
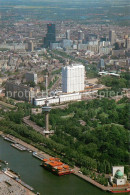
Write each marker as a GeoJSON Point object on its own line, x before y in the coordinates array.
{"type": "Point", "coordinates": [29, 173]}
{"type": "Point", "coordinates": [15, 176]}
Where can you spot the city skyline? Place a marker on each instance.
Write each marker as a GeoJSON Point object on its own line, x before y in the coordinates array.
{"type": "Point", "coordinates": [64, 97]}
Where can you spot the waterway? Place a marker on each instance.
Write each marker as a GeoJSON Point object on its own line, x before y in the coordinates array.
{"type": "Point", "coordinates": [42, 180]}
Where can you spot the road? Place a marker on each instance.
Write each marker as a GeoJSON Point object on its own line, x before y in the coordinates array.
{"type": "Point", "coordinates": [33, 125]}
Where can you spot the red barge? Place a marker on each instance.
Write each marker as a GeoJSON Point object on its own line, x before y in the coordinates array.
{"type": "Point", "coordinates": [120, 191]}
{"type": "Point", "coordinates": [56, 166]}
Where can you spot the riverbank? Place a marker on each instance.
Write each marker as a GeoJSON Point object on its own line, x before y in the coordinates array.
{"type": "Point", "coordinates": [76, 169]}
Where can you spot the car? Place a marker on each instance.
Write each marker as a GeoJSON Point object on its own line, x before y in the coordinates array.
{"type": "Point", "coordinates": [80, 172]}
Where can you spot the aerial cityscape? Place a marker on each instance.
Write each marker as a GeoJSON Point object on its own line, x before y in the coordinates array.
{"type": "Point", "coordinates": [64, 97]}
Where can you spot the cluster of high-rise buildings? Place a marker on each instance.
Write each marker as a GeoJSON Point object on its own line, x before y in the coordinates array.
{"type": "Point", "coordinates": [92, 45]}
{"type": "Point", "coordinates": [30, 50]}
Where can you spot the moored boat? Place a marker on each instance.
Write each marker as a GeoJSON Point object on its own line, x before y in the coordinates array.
{"type": "Point", "coordinates": [38, 156]}
{"type": "Point", "coordinates": [56, 166]}
{"type": "Point", "coordinates": [119, 191]}
{"type": "Point", "coordinates": [19, 147]}
{"type": "Point", "coordinates": [8, 139]}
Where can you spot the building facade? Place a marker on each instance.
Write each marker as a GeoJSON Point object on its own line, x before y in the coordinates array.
{"type": "Point", "coordinates": [50, 36]}
{"type": "Point", "coordinates": [68, 34]}
{"type": "Point", "coordinates": [73, 78]}
{"type": "Point", "coordinates": [112, 36]}
{"type": "Point", "coordinates": [31, 77]}
{"type": "Point", "coordinates": [118, 177]}
{"type": "Point", "coordinates": [19, 91]}
{"type": "Point", "coordinates": [57, 99]}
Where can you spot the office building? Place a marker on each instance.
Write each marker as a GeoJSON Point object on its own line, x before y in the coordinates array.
{"type": "Point", "coordinates": [54, 46]}
{"type": "Point", "coordinates": [50, 36]}
{"type": "Point", "coordinates": [73, 78]}
{"type": "Point", "coordinates": [128, 43]}
{"type": "Point", "coordinates": [105, 50]}
{"type": "Point", "coordinates": [82, 47]}
{"type": "Point", "coordinates": [112, 36]}
{"type": "Point", "coordinates": [67, 44]}
{"type": "Point", "coordinates": [30, 46]}
{"type": "Point", "coordinates": [31, 77]}
{"type": "Point", "coordinates": [30, 34]}
{"type": "Point", "coordinates": [68, 34]}
{"type": "Point", "coordinates": [101, 64]}
{"type": "Point", "coordinates": [80, 35]}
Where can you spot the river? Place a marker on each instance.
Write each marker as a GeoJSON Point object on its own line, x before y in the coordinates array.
{"type": "Point", "coordinates": [42, 180]}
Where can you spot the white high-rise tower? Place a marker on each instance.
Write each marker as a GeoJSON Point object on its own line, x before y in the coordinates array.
{"type": "Point", "coordinates": [68, 34]}
{"type": "Point", "coordinates": [73, 78]}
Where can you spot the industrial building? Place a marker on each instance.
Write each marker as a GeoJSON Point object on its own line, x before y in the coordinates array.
{"type": "Point", "coordinates": [73, 77]}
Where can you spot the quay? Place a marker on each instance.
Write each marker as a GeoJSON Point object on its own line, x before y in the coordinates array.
{"type": "Point", "coordinates": [25, 185]}
{"type": "Point", "coordinates": [16, 176]}
{"type": "Point", "coordinates": [10, 186]}
{"type": "Point", "coordinates": [98, 185]}
{"type": "Point", "coordinates": [76, 169]}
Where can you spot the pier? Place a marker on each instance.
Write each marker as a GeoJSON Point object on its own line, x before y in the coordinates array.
{"type": "Point", "coordinates": [98, 185]}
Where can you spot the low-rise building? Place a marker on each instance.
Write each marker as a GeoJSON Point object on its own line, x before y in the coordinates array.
{"type": "Point", "coordinates": [57, 99]}
{"type": "Point", "coordinates": [19, 91]}
{"type": "Point", "coordinates": [118, 177]}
